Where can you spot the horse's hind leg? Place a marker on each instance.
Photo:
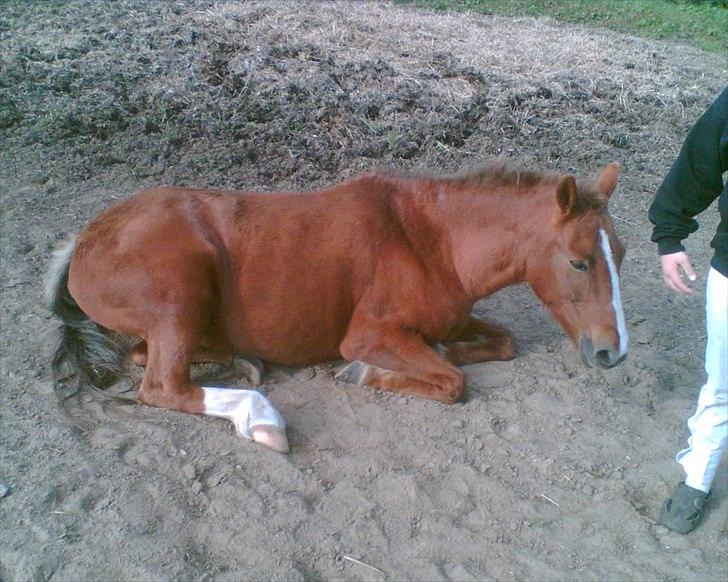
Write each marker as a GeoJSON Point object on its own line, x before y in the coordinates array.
{"type": "Point", "coordinates": [166, 384]}
{"type": "Point", "coordinates": [202, 355]}
{"type": "Point", "coordinates": [250, 368]}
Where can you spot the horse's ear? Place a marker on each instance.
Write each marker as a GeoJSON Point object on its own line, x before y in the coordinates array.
{"type": "Point", "coordinates": [607, 181]}
{"type": "Point", "coordinates": [567, 196]}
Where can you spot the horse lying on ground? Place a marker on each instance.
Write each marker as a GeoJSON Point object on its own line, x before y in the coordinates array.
{"type": "Point", "coordinates": [380, 270]}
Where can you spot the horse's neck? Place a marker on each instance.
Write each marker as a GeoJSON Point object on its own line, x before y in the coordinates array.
{"type": "Point", "coordinates": [428, 237]}
{"type": "Point", "coordinates": [490, 237]}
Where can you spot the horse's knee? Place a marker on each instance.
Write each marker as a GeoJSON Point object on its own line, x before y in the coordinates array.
{"type": "Point", "coordinates": [353, 348]}
{"type": "Point", "coordinates": [452, 388]}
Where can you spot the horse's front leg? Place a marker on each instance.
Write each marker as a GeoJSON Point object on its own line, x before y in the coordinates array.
{"type": "Point", "coordinates": [478, 341]}
{"type": "Point", "coordinates": [399, 360]}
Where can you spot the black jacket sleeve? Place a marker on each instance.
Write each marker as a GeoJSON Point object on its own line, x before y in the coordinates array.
{"type": "Point", "coordinates": [694, 180]}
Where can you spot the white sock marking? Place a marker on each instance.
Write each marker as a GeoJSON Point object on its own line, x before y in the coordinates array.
{"type": "Point", "coordinates": [246, 409]}
{"type": "Point", "coordinates": [616, 294]}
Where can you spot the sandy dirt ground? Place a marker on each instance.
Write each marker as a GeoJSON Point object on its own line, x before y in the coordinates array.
{"type": "Point", "coordinates": [548, 470]}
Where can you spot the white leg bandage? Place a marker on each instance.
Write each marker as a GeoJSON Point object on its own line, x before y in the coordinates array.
{"type": "Point", "coordinates": [252, 414]}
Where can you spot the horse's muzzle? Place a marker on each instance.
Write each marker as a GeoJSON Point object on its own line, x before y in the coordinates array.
{"type": "Point", "coordinates": [599, 356]}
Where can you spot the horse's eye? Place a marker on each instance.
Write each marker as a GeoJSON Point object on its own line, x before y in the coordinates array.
{"type": "Point", "coordinates": [582, 266]}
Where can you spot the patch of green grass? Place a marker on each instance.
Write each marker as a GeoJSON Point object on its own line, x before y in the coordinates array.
{"type": "Point", "coordinates": [702, 23]}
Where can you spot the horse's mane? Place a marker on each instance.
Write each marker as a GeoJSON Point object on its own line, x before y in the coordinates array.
{"type": "Point", "coordinates": [501, 174]}
{"type": "Point", "coordinates": [496, 172]}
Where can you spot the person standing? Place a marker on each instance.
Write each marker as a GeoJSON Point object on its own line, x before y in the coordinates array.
{"type": "Point", "coordinates": [693, 183]}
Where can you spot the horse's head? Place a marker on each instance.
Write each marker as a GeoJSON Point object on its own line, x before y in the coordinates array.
{"type": "Point", "coordinates": [575, 269]}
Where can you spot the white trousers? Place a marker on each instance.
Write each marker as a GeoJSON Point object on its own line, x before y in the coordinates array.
{"type": "Point", "coordinates": [709, 425]}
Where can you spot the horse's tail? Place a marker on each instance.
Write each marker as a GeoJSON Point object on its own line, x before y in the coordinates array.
{"type": "Point", "coordinates": [83, 346]}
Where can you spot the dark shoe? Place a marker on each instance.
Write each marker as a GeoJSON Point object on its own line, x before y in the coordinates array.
{"type": "Point", "coordinates": [683, 509]}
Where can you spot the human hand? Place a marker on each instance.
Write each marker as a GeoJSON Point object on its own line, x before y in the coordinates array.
{"type": "Point", "coordinates": [672, 264]}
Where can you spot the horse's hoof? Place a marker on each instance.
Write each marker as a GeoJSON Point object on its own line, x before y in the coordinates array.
{"type": "Point", "coordinates": [353, 373]}
{"type": "Point", "coordinates": [251, 368]}
{"type": "Point", "coordinates": [271, 436]}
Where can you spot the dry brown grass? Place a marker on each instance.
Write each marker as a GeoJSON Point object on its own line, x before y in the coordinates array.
{"type": "Point", "coordinates": [268, 95]}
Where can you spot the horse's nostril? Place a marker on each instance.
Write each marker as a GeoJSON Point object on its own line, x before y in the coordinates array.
{"type": "Point", "coordinates": [605, 358]}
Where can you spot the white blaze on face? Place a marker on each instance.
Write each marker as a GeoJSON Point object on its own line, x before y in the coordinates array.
{"type": "Point", "coordinates": [616, 295]}
{"type": "Point", "coordinates": [252, 414]}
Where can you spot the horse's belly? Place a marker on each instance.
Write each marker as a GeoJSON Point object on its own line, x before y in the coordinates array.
{"type": "Point", "coordinates": [282, 345]}
{"type": "Point", "coordinates": [289, 351]}
{"type": "Point", "coordinates": [296, 329]}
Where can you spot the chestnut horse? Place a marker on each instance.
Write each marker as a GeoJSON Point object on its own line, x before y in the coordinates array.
{"type": "Point", "coordinates": [381, 270]}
